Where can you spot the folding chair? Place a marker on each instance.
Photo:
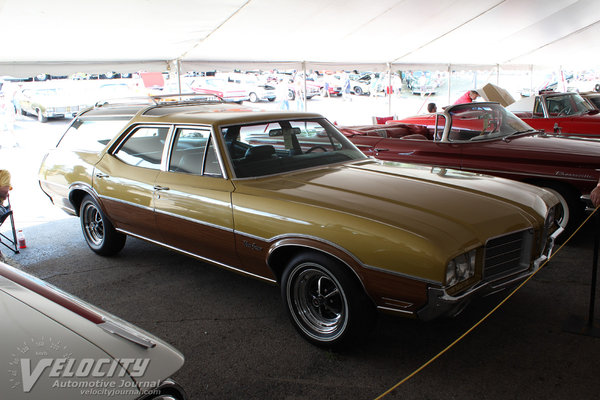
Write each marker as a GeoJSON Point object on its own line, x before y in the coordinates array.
{"type": "Point", "coordinates": [6, 213]}
{"type": "Point", "coordinates": [383, 120]}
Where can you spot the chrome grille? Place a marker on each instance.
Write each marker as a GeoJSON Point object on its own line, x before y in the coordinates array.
{"type": "Point", "coordinates": [507, 254]}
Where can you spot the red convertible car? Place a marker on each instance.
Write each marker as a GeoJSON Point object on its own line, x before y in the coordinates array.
{"type": "Point", "coordinates": [566, 114]}
{"type": "Point", "coordinates": [486, 138]}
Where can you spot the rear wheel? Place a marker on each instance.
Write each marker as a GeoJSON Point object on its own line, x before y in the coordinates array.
{"type": "Point", "coordinates": [98, 231]}
{"type": "Point", "coordinates": [325, 303]}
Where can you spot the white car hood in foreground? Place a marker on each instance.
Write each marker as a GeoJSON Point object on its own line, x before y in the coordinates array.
{"type": "Point", "coordinates": [54, 351]}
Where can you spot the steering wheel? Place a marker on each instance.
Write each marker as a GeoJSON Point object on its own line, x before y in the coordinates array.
{"type": "Point", "coordinates": [314, 148]}
{"type": "Point", "coordinates": [564, 111]}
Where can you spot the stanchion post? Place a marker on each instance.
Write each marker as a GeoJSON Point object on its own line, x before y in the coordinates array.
{"type": "Point", "coordinates": [576, 324]}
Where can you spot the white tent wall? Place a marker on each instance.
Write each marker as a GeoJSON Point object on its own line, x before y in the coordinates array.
{"type": "Point", "coordinates": [26, 69]}
{"type": "Point", "coordinates": [62, 37]}
{"type": "Point", "coordinates": [342, 32]}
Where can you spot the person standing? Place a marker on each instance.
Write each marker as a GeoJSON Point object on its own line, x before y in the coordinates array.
{"type": "Point", "coordinates": [346, 88]}
{"type": "Point", "coordinates": [282, 95]}
{"type": "Point", "coordinates": [468, 97]}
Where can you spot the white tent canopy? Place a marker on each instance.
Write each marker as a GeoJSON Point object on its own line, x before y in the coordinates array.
{"type": "Point", "coordinates": [67, 36]}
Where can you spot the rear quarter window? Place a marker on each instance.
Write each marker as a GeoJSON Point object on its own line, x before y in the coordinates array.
{"type": "Point", "coordinates": [91, 135]}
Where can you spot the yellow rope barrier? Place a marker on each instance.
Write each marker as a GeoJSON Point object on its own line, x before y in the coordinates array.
{"type": "Point", "coordinates": [422, 367]}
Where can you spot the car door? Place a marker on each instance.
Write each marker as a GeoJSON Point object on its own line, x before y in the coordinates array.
{"type": "Point", "coordinates": [125, 178]}
{"type": "Point", "coordinates": [193, 198]}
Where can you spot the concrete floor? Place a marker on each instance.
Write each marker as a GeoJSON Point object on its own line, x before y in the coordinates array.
{"type": "Point", "coordinates": [238, 342]}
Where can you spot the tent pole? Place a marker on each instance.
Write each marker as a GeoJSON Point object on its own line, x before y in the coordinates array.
{"type": "Point", "coordinates": [389, 89]}
{"type": "Point", "coordinates": [304, 108]}
{"type": "Point", "coordinates": [531, 78]}
{"type": "Point", "coordinates": [179, 75]}
{"type": "Point", "coordinates": [497, 74]}
{"type": "Point", "coordinates": [449, 81]}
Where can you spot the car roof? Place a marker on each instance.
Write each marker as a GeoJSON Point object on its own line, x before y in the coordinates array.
{"type": "Point", "coordinates": [211, 113]}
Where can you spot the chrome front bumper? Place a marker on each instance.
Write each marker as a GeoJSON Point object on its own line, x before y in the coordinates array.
{"type": "Point", "coordinates": [441, 303]}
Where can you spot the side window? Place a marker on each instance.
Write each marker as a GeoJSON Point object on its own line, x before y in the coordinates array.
{"type": "Point", "coordinates": [554, 106]}
{"type": "Point", "coordinates": [90, 135]}
{"type": "Point", "coordinates": [193, 153]}
{"type": "Point", "coordinates": [144, 147]}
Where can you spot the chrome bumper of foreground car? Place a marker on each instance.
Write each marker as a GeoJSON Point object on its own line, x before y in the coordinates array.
{"type": "Point", "coordinates": [441, 303]}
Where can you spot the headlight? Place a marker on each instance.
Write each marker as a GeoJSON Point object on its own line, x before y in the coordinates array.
{"type": "Point", "coordinates": [461, 268]}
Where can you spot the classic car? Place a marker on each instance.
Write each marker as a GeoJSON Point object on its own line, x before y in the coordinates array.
{"type": "Point", "coordinates": [565, 114]}
{"type": "Point", "coordinates": [286, 198]}
{"type": "Point", "coordinates": [228, 91]}
{"type": "Point", "coordinates": [486, 138]}
{"type": "Point", "coordinates": [312, 88]}
{"type": "Point", "coordinates": [56, 346]}
{"type": "Point", "coordinates": [422, 82]}
{"type": "Point", "coordinates": [257, 90]}
{"type": "Point", "coordinates": [593, 98]}
{"type": "Point", "coordinates": [49, 102]}
{"type": "Point", "coordinates": [360, 84]}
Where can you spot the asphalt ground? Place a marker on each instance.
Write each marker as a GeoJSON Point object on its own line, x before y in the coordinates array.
{"type": "Point", "coordinates": [239, 343]}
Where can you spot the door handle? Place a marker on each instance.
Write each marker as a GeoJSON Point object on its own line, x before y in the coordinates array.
{"type": "Point", "coordinates": [378, 150]}
{"type": "Point", "coordinates": [158, 187]}
{"type": "Point", "coordinates": [101, 175]}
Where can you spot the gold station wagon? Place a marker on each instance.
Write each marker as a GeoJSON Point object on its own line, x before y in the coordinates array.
{"type": "Point", "coordinates": [286, 198]}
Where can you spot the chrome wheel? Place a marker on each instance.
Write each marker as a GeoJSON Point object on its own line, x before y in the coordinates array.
{"type": "Point", "coordinates": [93, 224]}
{"type": "Point", "coordinates": [98, 231]}
{"type": "Point", "coordinates": [317, 302]}
{"type": "Point", "coordinates": [325, 300]}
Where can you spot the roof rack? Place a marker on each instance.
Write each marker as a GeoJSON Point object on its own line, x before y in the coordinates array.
{"type": "Point", "coordinates": [162, 100]}
{"type": "Point", "coordinates": [189, 98]}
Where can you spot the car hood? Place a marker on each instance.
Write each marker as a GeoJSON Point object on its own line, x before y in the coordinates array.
{"type": "Point", "coordinates": [448, 209]}
{"type": "Point", "coordinates": [579, 151]}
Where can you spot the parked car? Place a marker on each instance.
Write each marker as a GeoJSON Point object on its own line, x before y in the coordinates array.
{"type": "Point", "coordinates": [593, 98]}
{"type": "Point", "coordinates": [257, 90]}
{"type": "Point", "coordinates": [312, 89]}
{"type": "Point", "coordinates": [57, 346]}
{"type": "Point", "coordinates": [486, 138]}
{"type": "Point", "coordinates": [334, 86]}
{"type": "Point", "coordinates": [46, 102]}
{"type": "Point", "coordinates": [359, 86]}
{"type": "Point", "coordinates": [286, 198]}
{"type": "Point", "coordinates": [220, 87]}
{"type": "Point", "coordinates": [422, 82]}
{"type": "Point", "coordinates": [566, 114]}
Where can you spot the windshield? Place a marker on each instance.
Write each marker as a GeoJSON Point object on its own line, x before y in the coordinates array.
{"type": "Point", "coordinates": [566, 104]}
{"type": "Point", "coordinates": [473, 121]}
{"type": "Point", "coordinates": [284, 146]}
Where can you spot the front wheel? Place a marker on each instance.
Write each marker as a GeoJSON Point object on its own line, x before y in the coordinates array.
{"type": "Point", "coordinates": [98, 231]}
{"type": "Point", "coordinates": [325, 303]}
